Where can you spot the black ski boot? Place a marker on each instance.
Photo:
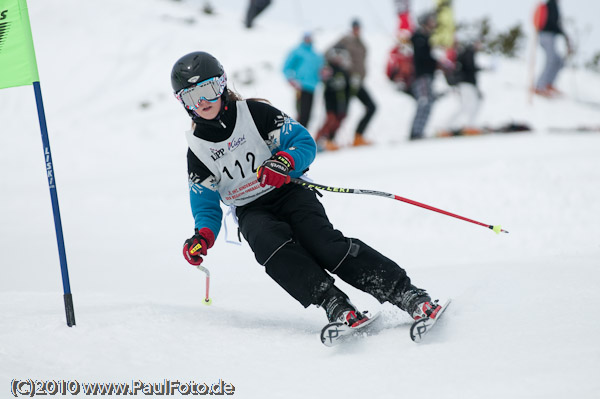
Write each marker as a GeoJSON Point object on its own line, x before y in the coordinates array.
{"type": "Point", "coordinates": [418, 303]}
{"type": "Point", "coordinates": [339, 309]}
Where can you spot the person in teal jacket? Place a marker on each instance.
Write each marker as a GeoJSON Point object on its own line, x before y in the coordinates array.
{"type": "Point", "coordinates": [302, 70]}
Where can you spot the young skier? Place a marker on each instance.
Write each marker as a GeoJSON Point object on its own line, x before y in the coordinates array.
{"type": "Point", "coordinates": [243, 153]}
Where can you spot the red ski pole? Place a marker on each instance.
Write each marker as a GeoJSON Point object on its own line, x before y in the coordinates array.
{"type": "Point", "coordinates": [207, 299]}
{"type": "Point", "coordinates": [314, 186]}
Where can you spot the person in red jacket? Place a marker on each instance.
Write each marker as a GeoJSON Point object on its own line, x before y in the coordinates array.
{"type": "Point", "coordinates": [400, 68]}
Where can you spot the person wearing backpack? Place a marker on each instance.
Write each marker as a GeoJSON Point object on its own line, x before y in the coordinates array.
{"type": "Point", "coordinates": [549, 24]}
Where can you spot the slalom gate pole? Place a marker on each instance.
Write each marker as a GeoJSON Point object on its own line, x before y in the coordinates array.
{"type": "Point", "coordinates": [207, 299]}
{"type": "Point", "coordinates": [314, 186]}
{"type": "Point", "coordinates": [68, 297]}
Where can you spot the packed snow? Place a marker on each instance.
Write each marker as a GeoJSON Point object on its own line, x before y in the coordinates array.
{"type": "Point", "coordinates": [523, 322]}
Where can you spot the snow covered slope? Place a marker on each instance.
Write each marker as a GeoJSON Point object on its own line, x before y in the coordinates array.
{"type": "Point", "coordinates": [523, 321]}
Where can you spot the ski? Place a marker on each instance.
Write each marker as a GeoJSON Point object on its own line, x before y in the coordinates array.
{"type": "Point", "coordinates": [578, 129]}
{"type": "Point", "coordinates": [421, 327]}
{"type": "Point", "coordinates": [508, 128]}
{"type": "Point", "coordinates": [337, 332]}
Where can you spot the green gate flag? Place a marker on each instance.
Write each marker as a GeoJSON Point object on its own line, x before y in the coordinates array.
{"type": "Point", "coordinates": [18, 68]}
{"type": "Point", "coordinates": [17, 56]}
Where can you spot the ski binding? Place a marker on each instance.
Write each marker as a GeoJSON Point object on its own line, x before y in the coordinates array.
{"type": "Point", "coordinates": [421, 327]}
{"type": "Point", "coordinates": [337, 332]}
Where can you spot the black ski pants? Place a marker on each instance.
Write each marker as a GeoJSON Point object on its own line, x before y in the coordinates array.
{"type": "Point", "coordinates": [304, 103]}
{"type": "Point", "coordinates": [292, 237]}
{"type": "Point", "coordinates": [370, 107]}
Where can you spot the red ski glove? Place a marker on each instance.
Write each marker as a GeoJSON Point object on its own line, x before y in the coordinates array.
{"type": "Point", "coordinates": [275, 170]}
{"type": "Point", "coordinates": [198, 245]}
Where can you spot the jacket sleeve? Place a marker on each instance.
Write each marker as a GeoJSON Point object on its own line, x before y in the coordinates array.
{"type": "Point", "coordinates": [299, 144]}
{"type": "Point", "coordinates": [206, 208]}
{"type": "Point", "coordinates": [204, 199]}
{"type": "Point", "coordinates": [290, 65]}
{"type": "Point", "coordinates": [282, 133]}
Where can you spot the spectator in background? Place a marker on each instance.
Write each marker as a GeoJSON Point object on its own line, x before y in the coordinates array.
{"type": "Point", "coordinates": [425, 66]}
{"type": "Point", "coordinates": [336, 77]}
{"type": "Point", "coordinates": [554, 62]}
{"type": "Point", "coordinates": [255, 7]}
{"type": "Point", "coordinates": [399, 68]}
{"type": "Point", "coordinates": [400, 65]}
{"type": "Point", "coordinates": [470, 95]}
{"type": "Point", "coordinates": [403, 12]}
{"type": "Point", "coordinates": [302, 70]}
{"type": "Point", "coordinates": [358, 54]}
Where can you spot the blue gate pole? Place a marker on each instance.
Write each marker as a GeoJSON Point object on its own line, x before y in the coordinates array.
{"type": "Point", "coordinates": [68, 298]}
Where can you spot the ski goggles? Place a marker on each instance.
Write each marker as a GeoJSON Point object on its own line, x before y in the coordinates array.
{"type": "Point", "coordinates": [208, 90]}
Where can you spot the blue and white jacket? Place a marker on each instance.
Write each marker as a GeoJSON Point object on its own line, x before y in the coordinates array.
{"type": "Point", "coordinates": [223, 156]}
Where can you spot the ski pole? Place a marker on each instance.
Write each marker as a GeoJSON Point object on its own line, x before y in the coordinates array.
{"type": "Point", "coordinates": [207, 299]}
{"type": "Point", "coordinates": [314, 186]}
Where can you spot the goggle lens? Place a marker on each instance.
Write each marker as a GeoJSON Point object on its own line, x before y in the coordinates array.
{"type": "Point", "coordinates": [208, 90]}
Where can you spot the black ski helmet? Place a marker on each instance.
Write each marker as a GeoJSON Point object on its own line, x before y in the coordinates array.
{"type": "Point", "coordinates": [193, 68]}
